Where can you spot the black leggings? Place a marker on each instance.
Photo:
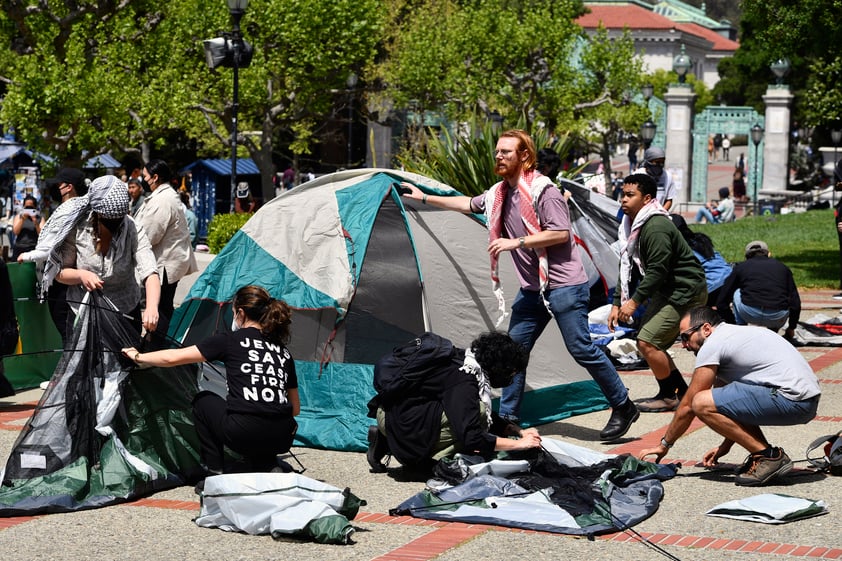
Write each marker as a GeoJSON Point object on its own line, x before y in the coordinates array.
{"type": "Point", "coordinates": [258, 438]}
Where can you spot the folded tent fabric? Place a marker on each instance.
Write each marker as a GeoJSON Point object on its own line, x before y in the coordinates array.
{"type": "Point", "coordinates": [280, 504]}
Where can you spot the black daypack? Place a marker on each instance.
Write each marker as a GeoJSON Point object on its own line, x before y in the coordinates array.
{"type": "Point", "coordinates": [400, 372]}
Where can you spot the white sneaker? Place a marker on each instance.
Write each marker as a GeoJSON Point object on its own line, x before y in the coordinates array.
{"type": "Point", "coordinates": [44, 385]}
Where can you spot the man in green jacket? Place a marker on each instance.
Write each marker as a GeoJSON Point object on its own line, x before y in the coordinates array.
{"type": "Point", "coordinates": [657, 268]}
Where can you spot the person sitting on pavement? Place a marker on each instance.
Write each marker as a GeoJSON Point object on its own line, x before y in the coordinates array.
{"type": "Point", "coordinates": [717, 212]}
{"type": "Point", "coordinates": [716, 267]}
{"type": "Point", "coordinates": [744, 377]}
{"type": "Point", "coordinates": [762, 291]}
{"type": "Point", "coordinates": [257, 418]}
{"type": "Point", "coordinates": [655, 258]}
{"type": "Point", "coordinates": [448, 409]}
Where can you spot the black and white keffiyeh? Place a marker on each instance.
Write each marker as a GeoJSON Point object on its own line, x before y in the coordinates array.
{"type": "Point", "coordinates": [471, 366]}
{"type": "Point", "coordinates": [107, 196]}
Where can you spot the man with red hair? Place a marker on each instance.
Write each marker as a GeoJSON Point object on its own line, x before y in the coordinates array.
{"type": "Point", "coordinates": [528, 217]}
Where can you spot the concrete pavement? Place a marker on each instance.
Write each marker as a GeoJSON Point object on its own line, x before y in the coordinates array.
{"type": "Point", "coordinates": [160, 527]}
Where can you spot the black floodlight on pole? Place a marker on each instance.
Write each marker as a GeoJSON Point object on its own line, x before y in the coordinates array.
{"type": "Point", "coordinates": [756, 137]}
{"type": "Point", "coordinates": [232, 51]}
{"type": "Point", "coordinates": [237, 8]}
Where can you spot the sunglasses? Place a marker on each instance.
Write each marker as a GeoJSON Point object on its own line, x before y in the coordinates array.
{"type": "Point", "coordinates": [685, 335]}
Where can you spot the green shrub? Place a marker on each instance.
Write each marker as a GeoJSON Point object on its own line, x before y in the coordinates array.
{"type": "Point", "coordinates": [466, 163]}
{"type": "Point", "coordinates": [222, 228]}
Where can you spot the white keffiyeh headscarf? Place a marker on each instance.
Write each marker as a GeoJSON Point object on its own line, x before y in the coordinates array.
{"type": "Point", "coordinates": [471, 366]}
{"type": "Point", "coordinates": [107, 196]}
{"type": "Point", "coordinates": [628, 237]}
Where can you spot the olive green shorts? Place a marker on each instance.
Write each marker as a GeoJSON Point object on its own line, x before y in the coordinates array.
{"type": "Point", "coordinates": [659, 326]}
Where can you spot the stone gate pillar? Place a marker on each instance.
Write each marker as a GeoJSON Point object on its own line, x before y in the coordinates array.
{"type": "Point", "coordinates": [679, 139]}
{"type": "Point", "coordinates": [776, 138]}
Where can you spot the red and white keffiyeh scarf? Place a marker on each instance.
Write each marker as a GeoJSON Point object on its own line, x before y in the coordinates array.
{"type": "Point", "coordinates": [530, 186]}
{"type": "Point", "coordinates": [628, 237]}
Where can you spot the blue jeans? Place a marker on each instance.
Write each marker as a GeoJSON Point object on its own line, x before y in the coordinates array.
{"type": "Point", "coordinates": [749, 404]}
{"type": "Point", "coordinates": [569, 305]}
{"type": "Point", "coordinates": [707, 215]}
{"type": "Point", "coordinates": [744, 314]}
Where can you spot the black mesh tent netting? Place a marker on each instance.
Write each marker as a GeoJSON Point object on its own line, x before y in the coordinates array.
{"type": "Point", "coordinates": [104, 431]}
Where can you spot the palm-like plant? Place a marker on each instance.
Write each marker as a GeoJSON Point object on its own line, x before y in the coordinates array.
{"type": "Point", "coordinates": [466, 162]}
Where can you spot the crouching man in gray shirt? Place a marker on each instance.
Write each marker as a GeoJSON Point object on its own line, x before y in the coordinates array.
{"type": "Point", "coordinates": [745, 377]}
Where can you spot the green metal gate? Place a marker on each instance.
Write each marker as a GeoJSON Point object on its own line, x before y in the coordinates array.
{"type": "Point", "coordinates": [731, 121]}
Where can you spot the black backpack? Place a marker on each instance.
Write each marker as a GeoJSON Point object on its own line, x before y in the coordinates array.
{"type": "Point", "coordinates": [402, 371]}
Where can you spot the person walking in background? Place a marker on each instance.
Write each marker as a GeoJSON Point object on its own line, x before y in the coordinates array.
{"type": "Point", "coordinates": [669, 280]}
{"type": "Point", "coordinates": [744, 378]}
{"type": "Point", "coordinates": [738, 187]}
{"type": "Point", "coordinates": [762, 291]}
{"type": "Point", "coordinates": [166, 227]}
{"type": "Point", "coordinates": [634, 146]}
{"type": "Point", "coordinates": [741, 164]}
{"type": "Point", "coordinates": [137, 195]}
{"type": "Point", "coordinates": [654, 160]}
{"type": "Point", "coordinates": [837, 213]}
{"type": "Point", "coordinates": [529, 218]}
{"type": "Point", "coordinates": [244, 200]}
{"type": "Point", "coordinates": [726, 148]}
{"type": "Point", "coordinates": [192, 221]}
{"type": "Point", "coordinates": [26, 227]}
{"type": "Point", "coordinates": [289, 178]}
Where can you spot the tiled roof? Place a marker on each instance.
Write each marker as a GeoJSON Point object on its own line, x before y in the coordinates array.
{"type": "Point", "coordinates": [626, 15]}
{"type": "Point", "coordinates": [720, 43]}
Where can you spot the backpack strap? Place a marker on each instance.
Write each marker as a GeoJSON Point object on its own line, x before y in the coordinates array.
{"type": "Point", "coordinates": [822, 463]}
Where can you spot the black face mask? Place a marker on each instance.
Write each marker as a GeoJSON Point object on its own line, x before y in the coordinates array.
{"type": "Point", "coordinates": [653, 170]}
{"type": "Point", "coordinates": [145, 185]}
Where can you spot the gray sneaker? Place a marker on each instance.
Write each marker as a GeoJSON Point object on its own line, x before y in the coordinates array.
{"type": "Point", "coordinates": [761, 469]}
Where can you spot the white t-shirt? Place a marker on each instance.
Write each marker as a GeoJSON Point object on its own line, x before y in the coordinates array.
{"type": "Point", "coordinates": [666, 186]}
{"type": "Point", "coordinates": [756, 355]}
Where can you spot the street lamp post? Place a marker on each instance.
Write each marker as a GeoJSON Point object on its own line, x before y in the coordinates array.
{"type": "Point", "coordinates": [231, 50]}
{"type": "Point", "coordinates": [351, 82]}
{"type": "Point", "coordinates": [496, 121]}
{"type": "Point", "coordinates": [682, 64]}
{"type": "Point", "coordinates": [647, 133]}
{"type": "Point", "coordinates": [780, 68]}
{"type": "Point", "coordinates": [836, 137]}
{"type": "Point", "coordinates": [756, 136]}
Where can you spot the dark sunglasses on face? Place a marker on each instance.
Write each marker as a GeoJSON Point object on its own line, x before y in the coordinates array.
{"type": "Point", "coordinates": [685, 335]}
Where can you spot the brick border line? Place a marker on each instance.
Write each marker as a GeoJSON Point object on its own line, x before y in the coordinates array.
{"type": "Point", "coordinates": [448, 535]}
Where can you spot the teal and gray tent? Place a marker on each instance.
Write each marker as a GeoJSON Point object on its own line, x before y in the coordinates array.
{"type": "Point", "coordinates": [366, 270]}
{"type": "Point", "coordinates": [102, 433]}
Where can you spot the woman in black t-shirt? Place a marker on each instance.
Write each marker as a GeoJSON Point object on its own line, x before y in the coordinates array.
{"type": "Point", "coordinates": [257, 419]}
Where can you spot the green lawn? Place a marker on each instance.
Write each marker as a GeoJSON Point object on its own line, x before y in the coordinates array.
{"type": "Point", "coordinates": [806, 243]}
